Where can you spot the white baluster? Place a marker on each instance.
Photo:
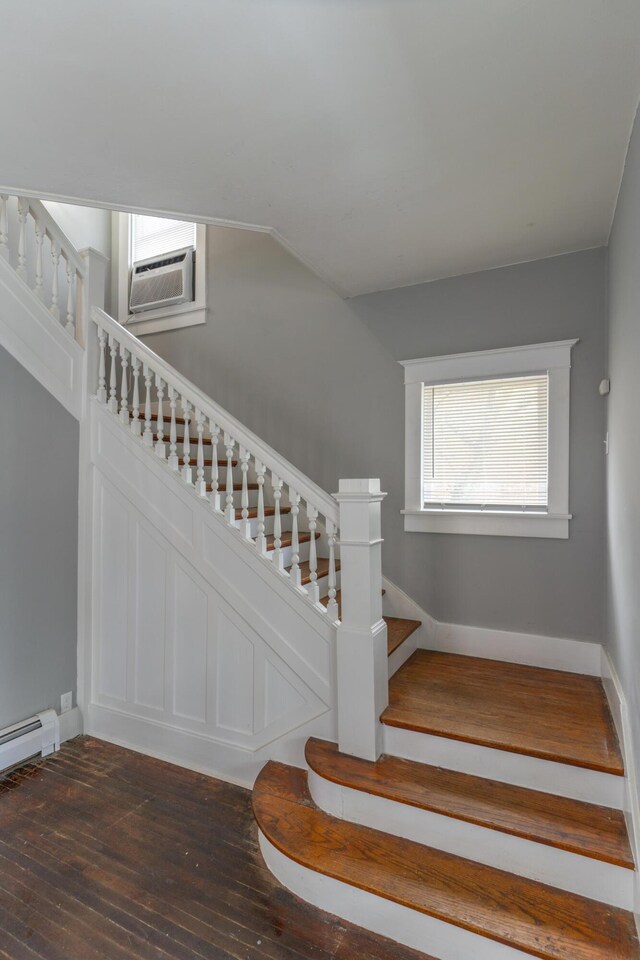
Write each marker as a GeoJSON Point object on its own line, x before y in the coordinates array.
{"type": "Point", "coordinates": [113, 381]}
{"type": "Point", "coordinates": [70, 324]}
{"type": "Point", "coordinates": [261, 540]}
{"type": "Point", "coordinates": [296, 576]}
{"type": "Point", "coordinates": [333, 611]}
{"type": "Point", "coordinates": [55, 261]}
{"type": "Point", "coordinates": [312, 589]}
{"type": "Point", "coordinates": [230, 512]}
{"type": "Point", "coordinates": [147, 436]}
{"type": "Point", "coordinates": [215, 490]}
{"type": "Point", "coordinates": [102, 366]}
{"type": "Point", "coordinates": [278, 559]}
{"type": "Point", "coordinates": [39, 271]}
{"type": "Point", "coordinates": [4, 227]}
{"type": "Point", "coordinates": [124, 386]}
{"type": "Point", "coordinates": [245, 523]}
{"type": "Point", "coordinates": [23, 211]}
{"type": "Point", "coordinates": [201, 483]}
{"type": "Point", "coordinates": [174, 462]}
{"type": "Point", "coordinates": [187, 472]}
{"type": "Point", "coordinates": [135, 423]}
{"type": "Point", "coordinates": [161, 447]}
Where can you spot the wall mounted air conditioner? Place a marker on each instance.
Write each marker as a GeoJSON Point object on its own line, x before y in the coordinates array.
{"type": "Point", "coordinates": [35, 735]}
{"type": "Point", "coordinates": [162, 281]}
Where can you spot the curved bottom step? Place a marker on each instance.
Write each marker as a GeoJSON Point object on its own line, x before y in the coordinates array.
{"type": "Point", "coordinates": [425, 898]}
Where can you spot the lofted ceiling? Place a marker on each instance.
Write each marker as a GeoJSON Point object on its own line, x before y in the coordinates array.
{"type": "Point", "coordinates": [385, 142]}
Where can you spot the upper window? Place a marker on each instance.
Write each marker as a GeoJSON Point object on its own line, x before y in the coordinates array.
{"type": "Point", "coordinates": [161, 273]}
{"type": "Point", "coordinates": [487, 442]}
{"type": "Point", "coordinates": [156, 236]}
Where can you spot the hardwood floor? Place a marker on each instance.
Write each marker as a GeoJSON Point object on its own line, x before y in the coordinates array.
{"type": "Point", "coordinates": [542, 713]}
{"type": "Point", "coordinates": [109, 855]}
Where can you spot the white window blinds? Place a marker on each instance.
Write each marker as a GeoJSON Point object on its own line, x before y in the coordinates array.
{"type": "Point", "coordinates": [485, 443]}
{"type": "Point", "coordinates": [155, 236]}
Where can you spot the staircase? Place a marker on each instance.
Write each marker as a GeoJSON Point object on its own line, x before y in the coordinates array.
{"type": "Point", "coordinates": [231, 619]}
{"type": "Point", "coordinates": [489, 828]}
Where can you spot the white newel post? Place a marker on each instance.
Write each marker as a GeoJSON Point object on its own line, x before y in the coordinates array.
{"type": "Point", "coordinates": [93, 295]}
{"type": "Point", "coordinates": [363, 684]}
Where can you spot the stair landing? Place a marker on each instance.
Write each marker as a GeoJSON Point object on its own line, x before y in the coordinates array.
{"type": "Point", "coordinates": [542, 713]}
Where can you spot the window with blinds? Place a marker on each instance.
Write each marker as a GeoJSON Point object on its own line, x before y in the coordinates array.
{"type": "Point", "coordinates": [156, 236]}
{"type": "Point", "coordinates": [485, 443]}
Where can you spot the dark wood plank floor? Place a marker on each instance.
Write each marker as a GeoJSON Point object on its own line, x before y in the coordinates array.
{"type": "Point", "coordinates": [106, 855]}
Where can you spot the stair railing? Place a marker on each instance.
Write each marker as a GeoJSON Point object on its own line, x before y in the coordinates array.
{"type": "Point", "coordinates": [43, 257]}
{"type": "Point", "coordinates": [150, 397]}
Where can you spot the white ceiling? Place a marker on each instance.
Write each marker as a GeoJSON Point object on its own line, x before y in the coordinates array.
{"type": "Point", "coordinates": [386, 141]}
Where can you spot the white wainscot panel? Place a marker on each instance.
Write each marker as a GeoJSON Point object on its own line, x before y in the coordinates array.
{"type": "Point", "coordinates": [235, 677]}
{"type": "Point", "coordinates": [114, 454]}
{"type": "Point", "coordinates": [281, 698]}
{"type": "Point", "coordinates": [113, 581]}
{"type": "Point", "coordinates": [149, 619]}
{"type": "Point", "coordinates": [190, 643]}
{"type": "Point", "coordinates": [298, 637]}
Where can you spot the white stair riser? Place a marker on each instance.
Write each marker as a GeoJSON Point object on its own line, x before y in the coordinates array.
{"type": "Point", "coordinates": [537, 861]}
{"type": "Point", "coordinates": [402, 653]}
{"type": "Point", "coordinates": [548, 776]}
{"type": "Point", "coordinates": [384, 917]}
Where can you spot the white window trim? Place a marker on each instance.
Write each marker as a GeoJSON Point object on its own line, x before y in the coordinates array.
{"type": "Point", "coordinates": [552, 358]}
{"type": "Point", "coordinates": [164, 318]}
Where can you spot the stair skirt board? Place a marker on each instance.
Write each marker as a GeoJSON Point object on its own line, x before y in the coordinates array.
{"type": "Point", "coordinates": [585, 876]}
{"type": "Point", "coordinates": [37, 735]}
{"type": "Point", "coordinates": [560, 779]}
{"type": "Point", "coordinates": [384, 917]}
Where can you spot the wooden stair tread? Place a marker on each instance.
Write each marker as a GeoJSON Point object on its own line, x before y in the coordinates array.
{"type": "Point", "coordinates": [221, 463]}
{"type": "Point", "coordinates": [528, 710]}
{"type": "Point", "coordinates": [287, 538]}
{"type": "Point", "coordinates": [582, 828]}
{"type": "Point", "coordinates": [268, 512]}
{"type": "Point", "coordinates": [537, 919]}
{"type": "Point", "coordinates": [398, 630]}
{"type": "Point", "coordinates": [322, 569]}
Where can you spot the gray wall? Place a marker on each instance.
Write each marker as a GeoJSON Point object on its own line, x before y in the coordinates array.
{"type": "Point", "coordinates": [317, 378]}
{"type": "Point", "coordinates": [623, 462]}
{"type": "Point", "coordinates": [38, 545]}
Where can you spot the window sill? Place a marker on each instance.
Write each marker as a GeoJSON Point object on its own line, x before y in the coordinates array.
{"type": "Point", "coordinates": [159, 321]}
{"type": "Point", "coordinates": [491, 523]}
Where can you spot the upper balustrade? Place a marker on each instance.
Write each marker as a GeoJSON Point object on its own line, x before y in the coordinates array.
{"type": "Point", "coordinates": [33, 243]}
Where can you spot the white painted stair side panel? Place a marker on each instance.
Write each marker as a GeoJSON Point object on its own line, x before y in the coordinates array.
{"type": "Point", "coordinates": [537, 861]}
{"type": "Point", "coordinates": [198, 654]}
{"type": "Point", "coordinates": [37, 341]}
{"type": "Point", "coordinates": [560, 779]}
{"type": "Point", "coordinates": [381, 916]}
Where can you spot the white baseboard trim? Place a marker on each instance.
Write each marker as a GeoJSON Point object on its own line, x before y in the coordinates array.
{"type": "Point", "coordinates": [200, 752]}
{"type": "Point", "coordinates": [381, 916]}
{"type": "Point", "coordinates": [534, 650]}
{"type": "Point", "coordinates": [631, 804]}
{"type": "Point", "coordinates": [70, 724]}
{"type": "Point", "coordinates": [541, 862]}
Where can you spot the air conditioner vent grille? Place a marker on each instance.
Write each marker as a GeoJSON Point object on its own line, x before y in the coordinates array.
{"type": "Point", "coordinates": [161, 287]}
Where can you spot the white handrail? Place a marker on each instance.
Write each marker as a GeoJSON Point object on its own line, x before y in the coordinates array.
{"type": "Point", "coordinates": [276, 463]}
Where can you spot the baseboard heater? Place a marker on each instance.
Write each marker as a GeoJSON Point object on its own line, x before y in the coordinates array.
{"type": "Point", "coordinates": [39, 735]}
